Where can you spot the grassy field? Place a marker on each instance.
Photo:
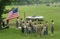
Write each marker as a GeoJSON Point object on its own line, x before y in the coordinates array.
{"type": "Point", "coordinates": [49, 13]}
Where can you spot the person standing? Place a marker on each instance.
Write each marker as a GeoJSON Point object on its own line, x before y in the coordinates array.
{"type": "Point", "coordinates": [27, 25]}
{"type": "Point", "coordinates": [44, 31]}
{"type": "Point", "coordinates": [31, 25]}
{"type": "Point", "coordinates": [52, 28]}
{"type": "Point", "coordinates": [29, 30]}
{"type": "Point", "coordinates": [46, 28]}
{"type": "Point", "coordinates": [22, 28]}
{"type": "Point", "coordinates": [35, 29]}
{"type": "Point", "coordinates": [21, 21]}
{"type": "Point", "coordinates": [17, 22]}
{"type": "Point", "coordinates": [40, 29]}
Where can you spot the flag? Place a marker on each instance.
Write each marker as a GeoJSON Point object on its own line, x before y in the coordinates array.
{"type": "Point", "coordinates": [13, 14]}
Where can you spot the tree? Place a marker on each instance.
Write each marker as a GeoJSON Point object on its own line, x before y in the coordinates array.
{"type": "Point", "coordinates": [3, 3]}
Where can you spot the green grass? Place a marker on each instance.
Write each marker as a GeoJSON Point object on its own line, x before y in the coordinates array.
{"type": "Point", "coordinates": [13, 33]}
{"type": "Point", "coordinates": [48, 12]}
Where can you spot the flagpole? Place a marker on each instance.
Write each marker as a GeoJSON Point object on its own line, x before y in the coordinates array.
{"type": "Point", "coordinates": [18, 7]}
{"type": "Point", "coordinates": [24, 16]}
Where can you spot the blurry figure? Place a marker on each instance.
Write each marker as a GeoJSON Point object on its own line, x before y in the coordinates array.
{"type": "Point", "coordinates": [17, 22]}
{"type": "Point", "coordinates": [29, 30]}
{"type": "Point", "coordinates": [46, 28]}
{"type": "Point", "coordinates": [7, 23]}
{"type": "Point", "coordinates": [52, 28]}
{"type": "Point", "coordinates": [32, 27]}
{"type": "Point", "coordinates": [35, 29]}
{"type": "Point", "coordinates": [3, 23]}
{"type": "Point", "coordinates": [27, 25]}
{"type": "Point", "coordinates": [21, 21]}
{"type": "Point", "coordinates": [40, 27]}
{"type": "Point", "coordinates": [44, 31]}
{"type": "Point", "coordinates": [30, 23]}
{"type": "Point", "coordinates": [22, 28]}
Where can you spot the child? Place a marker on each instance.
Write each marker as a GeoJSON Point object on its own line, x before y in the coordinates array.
{"type": "Point", "coordinates": [17, 22]}
{"type": "Point", "coordinates": [22, 28]}
{"type": "Point", "coordinates": [44, 31]}
{"type": "Point", "coordinates": [40, 29]}
{"type": "Point", "coordinates": [41, 24]}
{"type": "Point", "coordinates": [21, 22]}
{"type": "Point", "coordinates": [27, 24]}
{"type": "Point", "coordinates": [46, 28]}
{"type": "Point", "coordinates": [35, 29]}
{"type": "Point", "coordinates": [52, 28]}
{"type": "Point", "coordinates": [31, 25]}
{"type": "Point", "coordinates": [29, 30]}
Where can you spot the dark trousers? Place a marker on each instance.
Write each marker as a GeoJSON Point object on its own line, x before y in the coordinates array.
{"type": "Point", "coordinates": [22, 30]}
{"type": "Point", "coordinates": [29, 32]}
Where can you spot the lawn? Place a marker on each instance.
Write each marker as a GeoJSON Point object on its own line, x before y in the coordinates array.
{"type": "Point", "coordinates": [49, 13]}
{"type": "Point", "coordinates": [13, 33]}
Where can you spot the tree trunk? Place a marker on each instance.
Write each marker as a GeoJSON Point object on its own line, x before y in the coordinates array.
{"type": "Point", "coordinates": [0, 20]}
{"type": "Point", "coordinates": [1, 11]}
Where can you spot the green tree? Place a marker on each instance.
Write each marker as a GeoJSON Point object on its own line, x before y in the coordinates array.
{"type": "Point", "coordinates": [3, 3]}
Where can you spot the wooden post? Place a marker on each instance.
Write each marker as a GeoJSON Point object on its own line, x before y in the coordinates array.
{"type": "Point", "coordinates": [24, 16]}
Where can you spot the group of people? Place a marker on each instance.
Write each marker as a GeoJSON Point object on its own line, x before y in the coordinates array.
{"type": "Point", "coordinates": [32, 27]}
{"type": "Point", "coordinates": [36, 28]}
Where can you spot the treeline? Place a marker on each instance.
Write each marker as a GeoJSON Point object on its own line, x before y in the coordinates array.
{"type": "Point", "coordinates": [28, 2]}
